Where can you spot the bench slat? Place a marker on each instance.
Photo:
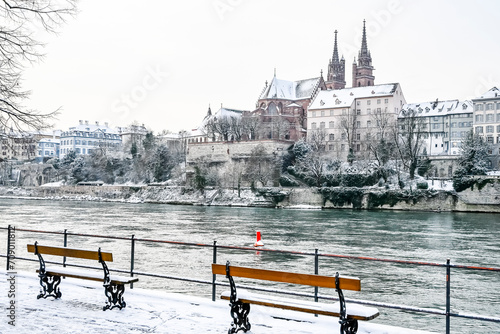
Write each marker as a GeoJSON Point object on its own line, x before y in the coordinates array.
{"type": "Point", "coordinates": [71, 252]}
{"type": "Point", "coordinates": [354, 311]}
{"type": "Point", "coordinates": [346, 283]}
{"type": "Point", "coordinates": [89, 275]}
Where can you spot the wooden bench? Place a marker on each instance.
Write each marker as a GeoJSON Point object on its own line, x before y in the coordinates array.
{"type": "Point", "coordinates": [240, 300]}
{"type": "Point", "coordinates": [50, 277]}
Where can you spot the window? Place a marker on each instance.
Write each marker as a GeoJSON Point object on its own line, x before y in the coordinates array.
{"type": "Point", "coordinates": [489, 106]}
{"type": "Point", "coordinates": [368, 124]}
{"type": "Point", "coordinates": [369, 110]}
{"type": "Point", "coordinates": [344, 112]}
{"type": "Point", "coordinates": [313, 125]}
{"type": "Point", "coordinates": [369, 102]}
{"type": "Point", "coordinates": [330, 147]}
{"type": "Point", "coordinates": [331, 112]}
{"type": "Point", "coordinates": [358, 136]}
{"type": "Point", "coordinates": [322, 113]}
{"type": "Point", "coordinates": [331, 137]}
{"type": "Point", "coordinates": [490, 129]}
{"type": "Point", "coordinates": [358, 124]}
{"type": "Point", "coordinates": [386, 101]}
{"type": "Point", "coordinates": [378, 101]}
{"type": "Point", "coordinates": [498, 117]}
{"type": "Point", "coordinates": [331, 124]}
{"type": "Point", "coordinates": [342, 147]}
{"type": "Point", "coordinates": [478, 107]}
{"type": "Point", "coordinates": [322, 125]}
{"type": "Point", "coordinates": [358, 103]}
{"type": "Point", "coordinates": [436, 126]}
{"type": "Point", "coordinates": [379, 110]}
{"type": "Point", "coordinates": [498, 105]}
{"type": "Point", "coordinates": [358, 112]}
{"type": "Point", "coordinates": [489, 139]}
{"type": "Point", "coordinates": [489, 117]}
{"type": "Point", "coordinates": [479, 129]}
{"type": "Point", "coordinates": [368, 136]}
{"type": "Point", "coordinates": [454, 124]}
{"type": "Point", "coordinates": [358, 147]}
{"type": "Point", "coordinates": [479, 118]}
{"type": "Point", "coordinates": [343, 136]}
{"type": "Point", "coordinates": [498, 128]}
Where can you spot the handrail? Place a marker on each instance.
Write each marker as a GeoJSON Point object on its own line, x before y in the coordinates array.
{"type": "Point", "coordinates": [214, 246]}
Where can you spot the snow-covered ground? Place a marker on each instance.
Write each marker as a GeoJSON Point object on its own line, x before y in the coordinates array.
{"type": "Point", "coordinates": [80, 311]}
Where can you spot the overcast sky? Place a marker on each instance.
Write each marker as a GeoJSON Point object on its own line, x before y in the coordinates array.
{"type": "Point", "coordinates": [161, 63]}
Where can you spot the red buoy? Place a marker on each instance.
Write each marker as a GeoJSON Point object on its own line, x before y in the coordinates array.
{"type": "Point", "coordinates": [259, 242]}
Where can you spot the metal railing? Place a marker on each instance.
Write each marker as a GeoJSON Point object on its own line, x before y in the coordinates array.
{"type": "Point", "coordinates": [133, 240]}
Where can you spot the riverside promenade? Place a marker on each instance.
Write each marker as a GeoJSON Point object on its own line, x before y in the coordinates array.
{"type": "Point", "coordinates": [80, 311]}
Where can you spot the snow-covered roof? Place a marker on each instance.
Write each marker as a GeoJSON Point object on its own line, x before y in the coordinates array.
{"type": "Point", "coordinates": [93, 127]}
{"type": "Point", "coordinates": [222, 112]}
{"type": "Point", "coordinates": [438, 108]}
{"type": "Point", "coordinates": [343, 98]}
{"type": "Point", "coordinates": [492, 93]}
{"type": "Point", "coordinates": [290, 90]}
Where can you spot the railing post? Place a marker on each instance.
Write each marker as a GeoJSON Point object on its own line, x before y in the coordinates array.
{"type": "Point", "coordinates": [448, 292]}
{"type": "Point", "coordinates": [214, 260]}
{"type": "Point", "coordinates": [316, 271]}
{"type": "Point", "coordinates": [8, 248]}
{"type": "Point", "coordinates": [132, 254]}
{"type": "Point", "coordinates": [65, 245]}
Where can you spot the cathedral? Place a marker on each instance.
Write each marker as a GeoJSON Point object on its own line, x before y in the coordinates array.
{"type": "Point", "coordinates": [282, 105]}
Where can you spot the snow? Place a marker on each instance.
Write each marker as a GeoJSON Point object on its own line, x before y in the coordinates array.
{"type": "Point", "coordinates": [343, 98]}
{"type": "Point", "coordinates": [427, 109]}
{"type": "Point", "coordinates": [54, 184]}
{"type": "Point", "coordinates": [290, 90]}
{"type": "Point", "coordinates": [79, 310]}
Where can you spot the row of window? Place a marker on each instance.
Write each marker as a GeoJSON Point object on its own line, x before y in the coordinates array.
{"type": "Point", "coordinates": [487, 106]}
{"type": "Point", "coordinates": [90, 135]}
{"type": "Point", "coordinates": [46, 144]}
{"type": "Point", "coordinates": [344, 112]}
{"type": "Point", "coordinates": [81, 142]}
{"type": "Point", "coordinates": [489, 129]}
{"type": "Point", "coordinates": [369, 102]}
{"type": "Point", "coordinates": [488, 118]}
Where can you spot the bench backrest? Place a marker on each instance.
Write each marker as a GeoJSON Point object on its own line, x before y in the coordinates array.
{"type": "Point", "coordinates": [346, 283]}
{"type": "Point", "coordinates": [71, 252]}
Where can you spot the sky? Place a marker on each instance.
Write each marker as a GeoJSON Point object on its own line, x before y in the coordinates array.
{"type": "Point", "coordinates": [163, 63]}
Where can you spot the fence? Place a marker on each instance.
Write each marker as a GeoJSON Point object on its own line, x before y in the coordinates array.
{"type": "Point", "coordinates": [315, 255]}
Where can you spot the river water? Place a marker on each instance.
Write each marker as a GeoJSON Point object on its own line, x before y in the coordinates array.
{"type": "Point", "coordinates": [466, 238]}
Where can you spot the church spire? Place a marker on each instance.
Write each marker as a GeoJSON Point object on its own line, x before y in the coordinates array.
{"type": "Point", "coordinates": [362, 72]}
{"type": "Point", "coordinates": [335, 58]}
{"type": "Point", "coordinates": [336, 69]}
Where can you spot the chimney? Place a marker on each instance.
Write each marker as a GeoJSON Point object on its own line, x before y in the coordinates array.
{"type": "Point", "coordinates": [81, 122]}
{"type": "Point", "coordinates": [106, 124]}
{"type": "Point", "coordinates": [97, 123]}
{"type": "Point", "coordinates": [86, 122]}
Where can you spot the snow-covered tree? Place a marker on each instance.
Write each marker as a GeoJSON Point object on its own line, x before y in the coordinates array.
{"type": "Point", "coordinates": [473, 159]}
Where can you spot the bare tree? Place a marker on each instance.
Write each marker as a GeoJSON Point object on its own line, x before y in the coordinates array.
{"type": "Point", "coordinates": [237, 129]}
{"type": "Point", "coordinates": [348, 127]}
{"type": "Point", "coordinates": [317, 139]}
{"type": "Point", "coordinates": [251, 125]}
{"type": "Point", "coordinates": [409, 139]}
{"type": "Point", "coordinates": [280, 126]}
{"type": "Point", "coordinates": [18, 48]}
{"type": "Point", "coordinates": [222, 127]}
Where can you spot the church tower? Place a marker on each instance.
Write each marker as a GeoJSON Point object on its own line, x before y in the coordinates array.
{"type": "Point", "coordinates": [362, 72]}
{"type": "Point", "coordinates": [336, 69]}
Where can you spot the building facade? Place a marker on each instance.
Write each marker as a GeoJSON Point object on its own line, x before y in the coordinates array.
{"type": "Point", "coordinates": [487, 122]}
{"type": "Point", "coordinates": [444, 124]}
{"type": "Point", "coordinates": [85, 138]}
{"type": "Point", "coordinates": [348, 120]}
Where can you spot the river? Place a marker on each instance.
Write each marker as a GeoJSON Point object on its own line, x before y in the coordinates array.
{"type": "Point", "coordinates": [466, 238]}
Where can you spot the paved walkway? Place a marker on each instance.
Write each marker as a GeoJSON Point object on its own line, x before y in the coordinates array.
{"type": "Point", "coordinates": [80, 311]}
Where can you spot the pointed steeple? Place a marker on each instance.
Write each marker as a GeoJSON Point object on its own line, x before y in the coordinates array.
{"type": "Point", "coordinates": [362, 72]}
{"type": "Point", "coordinates": [209, 113]}
{"type": "Point", "coordinates": [336, 69]}
{"type": "Point", "coordinates": [364, 45]}
{"type": "Point", "coordinates": [335, 58]}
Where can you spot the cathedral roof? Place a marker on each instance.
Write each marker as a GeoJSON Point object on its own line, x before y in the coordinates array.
{"type": "Point", "coordinates": [437, 108]}
{"type": "Point", "coordinates": [290, 90]}
{"type": "Point", "coordinates": [344, 98]}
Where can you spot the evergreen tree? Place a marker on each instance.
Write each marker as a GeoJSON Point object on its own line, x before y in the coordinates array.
{"type": "Point", "coordinates": [474, 155]}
